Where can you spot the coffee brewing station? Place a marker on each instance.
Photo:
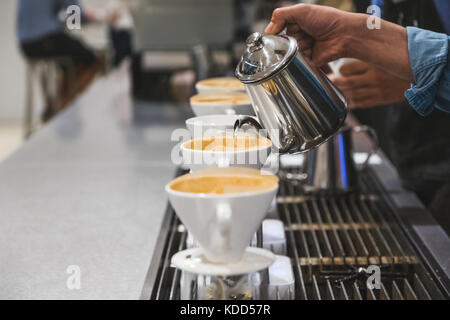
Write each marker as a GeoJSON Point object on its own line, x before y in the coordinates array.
{"type": "Point", "coordinates": [217, 163]}
{"type": "Point", "coordinates": [331, 218]}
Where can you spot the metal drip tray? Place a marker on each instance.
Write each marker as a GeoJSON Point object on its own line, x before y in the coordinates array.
{"type": "Point", "coordinates": [329, 236]}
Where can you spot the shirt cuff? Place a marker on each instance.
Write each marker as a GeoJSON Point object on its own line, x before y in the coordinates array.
{"type": "Point", "coordinates": [443, 95]}
{"type": "Point", "coordinates": [428, 53]}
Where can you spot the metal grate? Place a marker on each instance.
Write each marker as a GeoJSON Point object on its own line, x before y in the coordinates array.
{"type": "Point", "coordinates": [328, 234]}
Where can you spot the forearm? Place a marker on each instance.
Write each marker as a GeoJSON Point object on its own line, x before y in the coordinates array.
{"type": "Point", "coordinates": [386, 48]}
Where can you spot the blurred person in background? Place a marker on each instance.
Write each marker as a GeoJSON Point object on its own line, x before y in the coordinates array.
{"type": "Point", "coordinates": [118, 15]}
{"type": "Point", "coordinates": [121, 29]}
{"type": "Point", "coordinates": [42, 34]}
{"type": "Point", "coordinates": [418, 146]}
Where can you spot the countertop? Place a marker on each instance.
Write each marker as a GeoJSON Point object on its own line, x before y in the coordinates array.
{"type": "Point", "coordinates": [87, 191]}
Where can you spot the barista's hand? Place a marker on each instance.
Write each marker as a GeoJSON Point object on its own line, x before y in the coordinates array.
{"type": "Point", "coordinates": [326, 34]}
{"type": "Point", "coordinates": [319, 30]}
{"type": "Point", "coordinates": [366, 86]}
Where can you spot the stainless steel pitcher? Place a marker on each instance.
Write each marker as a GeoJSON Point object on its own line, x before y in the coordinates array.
{"type": "Point", "coordinates": [292, 98]}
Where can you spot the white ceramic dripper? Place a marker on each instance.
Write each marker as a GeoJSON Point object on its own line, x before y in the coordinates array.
{"type": "Point", "coordinates": [223, 224]}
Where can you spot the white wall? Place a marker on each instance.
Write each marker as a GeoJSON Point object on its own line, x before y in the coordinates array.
{"type": "Point", "coordinates": [12, 67]}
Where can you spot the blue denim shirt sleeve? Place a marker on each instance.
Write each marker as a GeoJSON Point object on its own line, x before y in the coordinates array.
{"type": "Point", "coordinates": [429, 59]}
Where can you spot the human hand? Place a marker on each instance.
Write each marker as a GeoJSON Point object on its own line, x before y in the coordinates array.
{"type": "Point", "coordinates": [326, 34]}
{"type": "Point", "coordinates": [366, 86]}
{"type": "Point", "coordinates": [319, 30]}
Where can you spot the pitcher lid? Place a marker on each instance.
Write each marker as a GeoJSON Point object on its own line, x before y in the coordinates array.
{"type": "Point", "coordinates": [265, 55]}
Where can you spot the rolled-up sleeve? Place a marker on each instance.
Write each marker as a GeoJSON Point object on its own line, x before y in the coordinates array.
{"type": "Point", "coordinates": [429, 59]}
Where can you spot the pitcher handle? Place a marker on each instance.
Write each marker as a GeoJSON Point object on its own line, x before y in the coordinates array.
{"type": "Point", "coordinates": [372, 134]}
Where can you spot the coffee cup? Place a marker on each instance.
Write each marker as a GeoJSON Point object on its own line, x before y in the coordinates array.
{"type": "Point", "coordinates": [222, 208]}
{"type": "Point", "coordinates": [221, 103]}
{"type": "Point", "coordinates": [222, 84]}
{"type": "Point", "coordinates": [211, 124]}
{"type": "Point", "coordinates": [226, 150]}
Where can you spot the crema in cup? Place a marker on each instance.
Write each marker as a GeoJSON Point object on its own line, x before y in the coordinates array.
{"type": "Point", "coordinates": [223, 84]}
{"type": "Point", "coordinates": [234, 180]}
{"type": "Point", "coordinates": [217, 99]}
{"type": "Point", "coordinates": [228, 142]}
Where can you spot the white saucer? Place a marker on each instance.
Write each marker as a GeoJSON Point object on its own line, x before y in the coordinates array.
{"type": "Point", "coordinates": [193, 260]}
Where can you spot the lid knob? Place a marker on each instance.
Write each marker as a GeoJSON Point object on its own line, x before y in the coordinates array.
{"type": "Point", "coordinates": [254, 41]}
{"type": "Point", "coordinates": [264, 56]}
